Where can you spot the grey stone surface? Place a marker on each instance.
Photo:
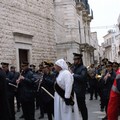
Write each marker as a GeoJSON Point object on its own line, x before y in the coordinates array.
{"type": "Point", "coordinates": [93, 110]}
{"type": "Point", "coordinates": [27, 19]}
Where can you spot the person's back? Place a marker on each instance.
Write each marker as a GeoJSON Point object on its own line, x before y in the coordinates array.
{"type": "Point", "coordinates": [4, 110]}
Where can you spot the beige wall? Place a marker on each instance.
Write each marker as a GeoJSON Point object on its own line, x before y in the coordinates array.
{"type": "Point", "coordinates": [32, 19]}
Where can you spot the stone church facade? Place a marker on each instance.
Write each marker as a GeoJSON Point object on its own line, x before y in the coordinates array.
{"type": "Point", "coordinates": [27, 31]}
{"type": "Point", "coordinates": [73, 29]}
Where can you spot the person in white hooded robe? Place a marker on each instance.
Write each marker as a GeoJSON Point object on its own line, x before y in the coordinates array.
{"type": "Point", "coordinates": [62, 109]}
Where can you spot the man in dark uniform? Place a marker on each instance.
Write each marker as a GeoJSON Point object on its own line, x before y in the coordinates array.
{"type": "Point", "coordinates": [32, 67]}
{"type": "Point", "coordinates": [80, 76]}
{"type": "Point", "coordinates": [39, 101]}
{"type": "Point", "coordinates": [4, 109]}
{"type": "Point", "coordinates": [115, 66]}
{"type": "Point", "coordinates": [11, 81]}
{"type": "Point", "coordinates": [26, 83]}
{"type": "Point", "coordinates": [107, 82]}
{"type": "Point", "coordinates": [13, 77]}
{"type": "Point", "coordinates": [48, 84]}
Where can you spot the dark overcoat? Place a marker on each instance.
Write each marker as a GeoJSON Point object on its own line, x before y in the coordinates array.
{"type": "Point", "coordinates": [4, 109]}
{"type": "Point", "coordinates": [80, 79]}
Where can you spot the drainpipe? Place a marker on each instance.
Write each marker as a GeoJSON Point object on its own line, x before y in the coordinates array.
{"type": "Point", "coordinates": [80, 33]}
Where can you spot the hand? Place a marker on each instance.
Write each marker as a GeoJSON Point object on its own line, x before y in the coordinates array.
{"type": "Point", "coordinates": [106, 77]}
{"type": "Point", "coordinates": [70, 71]}
{"type": "Point", "coordinates": [67, 101]}
{"type": "Point", "coordinates": [17, 81]}
{"type": "Point", "coordinates": [21, 78]}
{"type": "Point", "coordinates": [109, 75]}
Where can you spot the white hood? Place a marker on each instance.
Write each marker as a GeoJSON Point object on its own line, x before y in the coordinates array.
{"type": "Point", "coordinates": [61, 63]}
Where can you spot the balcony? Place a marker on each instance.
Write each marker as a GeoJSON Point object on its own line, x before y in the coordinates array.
{"type": "Point", "coordinates": [83, 5]}
{"type": "Point", "coordinates": [106, 45]}
{"type": "Point", "coordinates": [80, 4]}
{"type": "Point", "coordinates": [87, 47]}
{"type": "Point", "coordinates": [90, 16]}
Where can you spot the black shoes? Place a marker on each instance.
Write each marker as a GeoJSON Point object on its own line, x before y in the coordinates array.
{"type": "Point", "coordinates": [18, 110]}
{"type": "Point", "coordinates": [90, 99]}
{"type": "Point", "coordinates": [37, 108]}
{"type": "Point", "coordinates": [102, 109]}
{"type": "Point", "coordinates": [95, 98]}
{"type": "Point", "coordinates": [105, 118]}
{"type": "Point", "coordinates": [22, 116]}
{"type": "Point", "coordinates": [41, 117]}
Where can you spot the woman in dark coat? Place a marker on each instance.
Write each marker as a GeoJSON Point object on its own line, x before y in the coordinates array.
{"type": "Point", "coordinates": [4, 109]}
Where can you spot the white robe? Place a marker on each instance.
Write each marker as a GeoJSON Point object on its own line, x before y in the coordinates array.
{"type": "Point", "coordinates": [61, 110]}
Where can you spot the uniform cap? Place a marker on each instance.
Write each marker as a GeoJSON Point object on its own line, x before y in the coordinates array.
{"type": "Point", "coordinates": [46, 64]}
{"type": "Point", "coordinates": [77, 56]}
{"type": "Point", "coordinates": [12, 67]}
{"type": "Point", "coordinates": [109, 63]}
{"type": "Point", "coordinates": [25, 63]}
{"type": "Point", "coordinates": [115, 64]}
{"type": "Point", "coordinates": [4, 63]}
{"type": "Point", "coordinates": [105, 59]}
{"type": "Point", "coordinates": [32, 65]}
{"type": "Point", "coordinates": [51, 64]}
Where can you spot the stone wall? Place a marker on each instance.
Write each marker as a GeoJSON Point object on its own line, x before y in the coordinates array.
{"type": "Point", "coordinates": [32, 19]}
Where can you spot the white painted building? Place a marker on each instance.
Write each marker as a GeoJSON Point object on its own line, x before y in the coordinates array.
{"type": "Point", "coordinates": [109, 46]}
{"type": "Point", "coordinates": [72, 26]}
{"type": "Point", "coordinates": [117, 37]}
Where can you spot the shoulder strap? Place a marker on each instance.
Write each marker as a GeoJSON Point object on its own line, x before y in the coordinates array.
{"type": "Point", "coordinates": [61, 93]}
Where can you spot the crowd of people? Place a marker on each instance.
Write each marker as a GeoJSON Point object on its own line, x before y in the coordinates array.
{"type": "Point", "coordinates": [59, 89]}
{"type": "Point", "coordinates": [104, 81]}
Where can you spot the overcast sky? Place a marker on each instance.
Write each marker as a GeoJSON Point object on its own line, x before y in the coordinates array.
{"type": "Point", "coordinates": [106, 13]}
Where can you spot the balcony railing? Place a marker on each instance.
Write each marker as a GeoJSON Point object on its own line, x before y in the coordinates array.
{"type": "Point", "coordinates": [80, 4]}
{"type": "Point", "coordinates": [86, 11]}
{"type": "Point", "coordinates": [88, 8]}
{"type": "Point", "coordinates": [105, 45]}
{"type": "Point", "coordinates": [91, 14]}
{"type": "Point", "coordinates": [83, 5]}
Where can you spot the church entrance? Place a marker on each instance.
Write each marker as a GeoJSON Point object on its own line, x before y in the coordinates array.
{"type": "Point", "coordinates": [23, 56]}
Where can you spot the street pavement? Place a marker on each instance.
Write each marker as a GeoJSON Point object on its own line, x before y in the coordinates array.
{"type": "Point", "coordinates": [93, 106]}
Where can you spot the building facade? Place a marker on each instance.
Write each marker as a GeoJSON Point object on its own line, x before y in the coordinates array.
{"type": "Point", "coordinates": [72, 26]}
{"type": "Point", "coordinates": [98, 50]}
{"type": "Point", "coordinates": [117, 37]}
{"type": "Point", "coordinates": [110, 46]}
{"type": "Point", "coordinates": [27, 31]}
